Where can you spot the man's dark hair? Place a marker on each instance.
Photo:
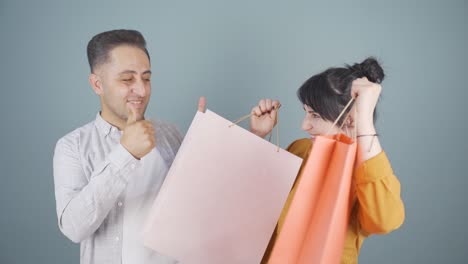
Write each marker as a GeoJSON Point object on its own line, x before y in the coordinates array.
{"type": "Point", "coordinates": [101, 45]}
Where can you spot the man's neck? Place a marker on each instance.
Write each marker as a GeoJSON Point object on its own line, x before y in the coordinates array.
{"type": "Point", "coordinates": [116, 122]}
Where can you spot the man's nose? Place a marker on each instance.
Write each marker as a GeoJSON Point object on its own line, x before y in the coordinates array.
{"type": "Point", "coordinates": [139, 88]}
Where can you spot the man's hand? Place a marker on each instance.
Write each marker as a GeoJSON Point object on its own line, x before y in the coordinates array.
{"type": "Point", "coordinates": [138, 136]}
{"type": "Point", "coordinates": [202, 104]}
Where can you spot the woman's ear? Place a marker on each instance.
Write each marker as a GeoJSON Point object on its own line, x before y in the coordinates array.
{"type": "Point", "coordinates": [350, 121]}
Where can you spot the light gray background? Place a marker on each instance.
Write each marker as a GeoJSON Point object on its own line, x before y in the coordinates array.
{"type": "Point", "coordinates": [236, 52]}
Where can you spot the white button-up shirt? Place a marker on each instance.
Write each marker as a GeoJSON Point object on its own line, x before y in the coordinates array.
{"type": "Point", "coordinates": [103, 193]}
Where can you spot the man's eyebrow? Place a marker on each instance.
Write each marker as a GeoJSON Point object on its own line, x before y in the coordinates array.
{"type": "Point", "coordinates": [134, 72]}
{"type": "Point", "coordinates": [127, 71]}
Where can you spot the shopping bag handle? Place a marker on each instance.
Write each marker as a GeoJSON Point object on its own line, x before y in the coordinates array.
{"type": "Point", "coordinates": [277, 125]}
{"type": "Point", "coordinates": [347, 116]}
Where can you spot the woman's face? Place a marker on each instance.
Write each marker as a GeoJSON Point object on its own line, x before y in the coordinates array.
{"type": "Point", "coordinates": [314, 125]}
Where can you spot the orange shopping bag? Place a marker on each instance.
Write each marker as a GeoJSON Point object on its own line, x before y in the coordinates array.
{"type": "Point", "coordinates": [315, 225]}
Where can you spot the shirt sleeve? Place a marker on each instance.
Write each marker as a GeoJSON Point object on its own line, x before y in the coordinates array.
{"type": "Point", "coordinates": [381, 209]}
{"type": "Point", "coordinates": [82, 203]}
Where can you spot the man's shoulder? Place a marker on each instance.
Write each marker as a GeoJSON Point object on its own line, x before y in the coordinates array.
{"type": "Point", "coordinates": [73, 137]}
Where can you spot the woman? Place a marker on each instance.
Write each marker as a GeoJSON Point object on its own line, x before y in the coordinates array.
{"type": "Point", "coordinates": [378, 208]}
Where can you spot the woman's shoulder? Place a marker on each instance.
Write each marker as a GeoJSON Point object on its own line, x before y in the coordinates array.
{"type": "Point", "coordinates": [300, 147]}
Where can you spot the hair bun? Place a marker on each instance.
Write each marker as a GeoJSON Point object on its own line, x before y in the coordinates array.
{"type": "Point", "coordinates": [371, 69]}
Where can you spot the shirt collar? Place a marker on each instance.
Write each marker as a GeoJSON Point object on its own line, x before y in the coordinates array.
{"type": "Point", "coordinates": [103, 126]}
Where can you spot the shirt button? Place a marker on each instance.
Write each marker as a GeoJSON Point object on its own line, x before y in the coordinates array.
{"type": "Point", "coordinates": [117, 239]}
{"type": "Point", "coordinates": [132, 166]}
{"type": "Point", "coordinates": [119, 203]}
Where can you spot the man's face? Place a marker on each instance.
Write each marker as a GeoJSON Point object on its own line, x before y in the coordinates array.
{"type": "Point", "coordinates": [125, 84]}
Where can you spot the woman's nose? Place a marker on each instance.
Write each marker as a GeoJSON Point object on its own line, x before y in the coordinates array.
{"type": "Point", "coordinates": [306, 124]}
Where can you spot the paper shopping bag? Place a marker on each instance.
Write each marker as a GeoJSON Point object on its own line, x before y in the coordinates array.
{"type": "Point", "coordinates": [315, 225]}
{"type": "Point", "coordinates": [222, 196]}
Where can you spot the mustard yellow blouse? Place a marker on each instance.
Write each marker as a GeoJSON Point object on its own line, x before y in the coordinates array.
{"type": "Point", "coordinates": [378, 208]}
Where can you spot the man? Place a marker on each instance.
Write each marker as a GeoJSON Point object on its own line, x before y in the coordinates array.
{"type": "Point", "coordinates": [108, 172]}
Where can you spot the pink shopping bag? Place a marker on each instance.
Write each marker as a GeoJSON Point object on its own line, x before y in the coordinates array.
{"type": "Point", "coordinates": [222, 196]}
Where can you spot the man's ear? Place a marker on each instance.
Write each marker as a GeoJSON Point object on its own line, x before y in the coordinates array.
{"type": "Point", "coordinates": [96, 83]}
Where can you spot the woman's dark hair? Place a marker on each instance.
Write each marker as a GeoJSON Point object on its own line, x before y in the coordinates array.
{"type": "Point", "coordinates": [100, 45]}
{"type": "Point", "coordinates": [327, 93]}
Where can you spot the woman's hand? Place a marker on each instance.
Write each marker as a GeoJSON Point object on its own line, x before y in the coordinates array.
{"type": "Point", "coordinates": [264, 117]}
{"type": "Point", "coordinates": [366, 94]}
